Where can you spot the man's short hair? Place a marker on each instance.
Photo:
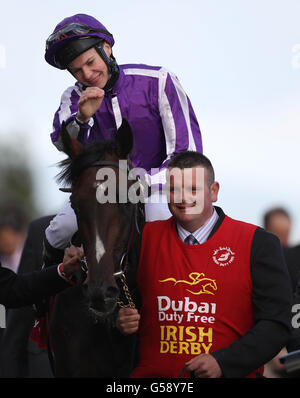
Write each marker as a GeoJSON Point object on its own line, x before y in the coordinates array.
{"type": "Point", "coordinates": [189, 159]}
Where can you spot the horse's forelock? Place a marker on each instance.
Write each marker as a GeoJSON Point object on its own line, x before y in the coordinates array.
{"type": "Point", "coordinates": [72, 168]}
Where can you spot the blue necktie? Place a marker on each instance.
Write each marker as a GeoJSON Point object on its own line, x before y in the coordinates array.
{"type": "Point", "coordinates": [191, 240]}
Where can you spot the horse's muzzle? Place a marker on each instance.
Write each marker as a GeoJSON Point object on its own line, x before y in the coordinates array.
{"type": "Point", "coordinates": [103, 298]}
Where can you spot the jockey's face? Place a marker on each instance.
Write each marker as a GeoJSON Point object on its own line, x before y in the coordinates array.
{"type": "Point", "coordinates": [90, 69]}
{"type": "Point", "coordinates": [191, 196]}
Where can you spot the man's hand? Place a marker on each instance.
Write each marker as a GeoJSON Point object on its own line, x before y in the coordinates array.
{"type": "Point", "coordinates": [71, 259]}
{"type": "Point", "coordinates": [204, 366]}
{"type": "Point", "coordinates": [90, 100]}
{"type": "Point", "coordinates": [128, 320]}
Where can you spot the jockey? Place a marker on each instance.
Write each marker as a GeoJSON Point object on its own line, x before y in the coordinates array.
{"type": "Point", "coordinates": [150, 97]}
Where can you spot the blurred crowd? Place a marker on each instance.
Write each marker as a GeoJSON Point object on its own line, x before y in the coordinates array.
{"type": "Point", "coordinates": [19, 356]}
{"type": "Point", "coordinates": [278, 221]}
{"type": "Point", "coordinates": [12, 236]}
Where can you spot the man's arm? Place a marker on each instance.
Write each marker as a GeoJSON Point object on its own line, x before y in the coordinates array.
{"type": "Point", "coordinates": [271, 298]}
{"type": "Point", "coordinates": [21, 290]}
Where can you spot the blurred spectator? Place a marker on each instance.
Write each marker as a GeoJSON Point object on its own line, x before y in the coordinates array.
{"type": "Point", "coordinates": [292, 257]}
{"type": "Point", "coordinates": [278, 221]}
{"type": "Point", "coordinates": [22, 358]}
{"type": "Point", "coordinates": [12, 235]}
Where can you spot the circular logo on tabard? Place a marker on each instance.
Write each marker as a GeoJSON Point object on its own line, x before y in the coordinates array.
{"type": "Point", "coordinates": [223, 256]}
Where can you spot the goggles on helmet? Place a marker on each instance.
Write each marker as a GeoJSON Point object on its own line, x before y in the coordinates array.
{"type": "Point", "coordinates": [73, 29]}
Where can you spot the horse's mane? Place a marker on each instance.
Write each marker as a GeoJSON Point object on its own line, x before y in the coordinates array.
{"type": "Point", "coordinates": [72, 168]}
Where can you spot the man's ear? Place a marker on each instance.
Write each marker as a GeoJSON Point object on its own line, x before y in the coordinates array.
{"type": "Point", "coordinates": [71, 146]}
{"type": "Point", "coordinates": [214, 190]}
{"type": "Point", "coordinates": [124, 140]}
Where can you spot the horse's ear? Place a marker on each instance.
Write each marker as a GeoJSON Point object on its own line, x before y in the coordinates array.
{"type": "Point", "coordinates": [124, 140]}
{"type": "Point", "coordinates": [71, 146]}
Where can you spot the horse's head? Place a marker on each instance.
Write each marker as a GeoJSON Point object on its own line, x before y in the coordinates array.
{"type": "Point", "coordinates": [107, 220]}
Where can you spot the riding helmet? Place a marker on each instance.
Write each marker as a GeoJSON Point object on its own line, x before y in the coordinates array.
{"type": "Point", "coordinates": [75, 35]}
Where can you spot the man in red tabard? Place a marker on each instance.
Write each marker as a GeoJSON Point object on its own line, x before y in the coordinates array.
{"type": "Point", "coordinates": [215, 292]}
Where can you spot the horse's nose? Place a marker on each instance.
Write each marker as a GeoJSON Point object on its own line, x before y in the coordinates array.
{"type": "Point", "coordinates": [103, 297]}
{"type": "Point", "coordinates": [111, 294]}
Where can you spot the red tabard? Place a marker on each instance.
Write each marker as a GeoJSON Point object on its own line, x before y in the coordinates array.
{"type": "Point", "coordinates": [196, 299]}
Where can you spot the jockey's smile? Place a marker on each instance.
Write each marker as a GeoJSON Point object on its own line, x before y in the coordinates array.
{"type": "Point", "coordinates": [90, 69]}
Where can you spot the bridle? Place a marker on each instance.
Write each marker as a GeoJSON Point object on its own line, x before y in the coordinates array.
{"type": "Point", "coordinates": [120, 273]}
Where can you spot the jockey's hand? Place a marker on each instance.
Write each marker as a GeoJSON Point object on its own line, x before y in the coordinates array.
{"type": "Point", "coordinates": [71, 259]}
{"type": "Point", "coordinates": [89, 102]}
{"type": "Point", "coordinates": [128, 320]}
{"type": "Point", "coordinates": [204, 366]}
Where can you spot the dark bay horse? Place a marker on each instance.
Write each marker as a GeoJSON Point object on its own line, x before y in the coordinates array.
{"type": "Point", "coordinates": [84, 339]}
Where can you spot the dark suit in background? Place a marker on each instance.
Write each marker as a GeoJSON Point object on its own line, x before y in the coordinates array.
{"type": "Point", "coordinates": [20, 356]}
{"type": "Point", "coordinates": [292, 256]}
